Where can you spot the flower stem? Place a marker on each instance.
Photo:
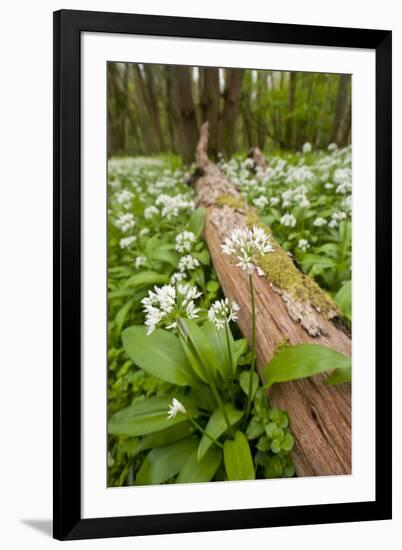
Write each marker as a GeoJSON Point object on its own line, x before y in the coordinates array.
{"type": "Point", "coordinates": [204, 432]}
{"type": "Point", "coordinates": [230, 360]}
{"type": "Point", "coordinates": [253, 345]}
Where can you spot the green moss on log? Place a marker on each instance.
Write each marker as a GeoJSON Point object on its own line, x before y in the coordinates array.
{"type": "Point", "coordinates": [232, 201]}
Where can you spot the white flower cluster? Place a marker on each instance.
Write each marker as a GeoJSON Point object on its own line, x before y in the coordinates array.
{"type": "Point", "coordinates": [288, 220]}
{"type": "Point", "coordinates": [188, 263]}
{"type": "Point", "coordinates": [125, 222]}
{"type": "Point", "coordinates": [150, 212]}
{"type": "Point", "coordinates": [336, 217]}
{"type": "Point", "coordinates": [343, 180]}
{"type": "Point", "coordinates": [319, 222]}
{"type": "Point", "coordinates": [303, 245]}
{"type": "Point", "coordinates": [261, 201]}
{"type": "Point", "coordinates": [140, 261]}
{"type": "Point", "coordinates": [167, 303]}
{"type": "Point", "coordinates": [172, 205]}
{"type": "Point", "coordinates": [296, 196]}
{"type": "Point", "coordinates": [124, 197]}
{"type": "Point", "coordinates": [222, 312]}
{"type": "Point", "coordinates": [307, 148]}
{"type": "Point", "coordinates": [246, 245]}
{"type": "Point", "coordinates": [125, 242]}
{"type": "Point", "coordinates": [185, 241]}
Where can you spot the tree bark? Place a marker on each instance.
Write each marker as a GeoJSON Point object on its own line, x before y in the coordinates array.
{"type": "Point", "coordinates": [290, 125]}
{"type": "Point", "coordinates": [320, 414]}
{"type": "Point", "coordinates": [184, 111]}
{"type": "Point", "coordinates": [209, 103]}
{"type": "Point", "coordinates": [341, 100]}
{"type": "Point", "coordinates": [152, 102]}
{"type": "Point", "coordinates": [233, 81]}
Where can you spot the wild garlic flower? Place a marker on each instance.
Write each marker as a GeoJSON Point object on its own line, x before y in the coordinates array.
{"type": "Point", "coordinates": [288, 220]}
{"type": "Point", "coordinates": [319, 222]}
{"type": "Point", "coordinates": [125, 242]}
{"type": "Point", "coordinates": [150, 212]}
{"type": "Point", "coordinates": [177, 277]}
{"type": "Point", "coordinates": [260, 201]}
{"type": "Point", "coordinates": [222, 312]}
{"type": "Point", "coordinates": [303, 245]}
{"type": "Point", "coordinates": [140, 261]}
{"type": "Point", "coordinates": [246, 245]}
{"type": "Point", "coordinates": [125, 222]}
{"type": "Point", "coordinates": [329, 185]}
{"type": "Point", "coordinates": [188, 263]}
{"type": "Point", "coordinates": [307, 148]}
{"type": "Point", "coordinates": [164, 305]}
{"type": "Point", "coordinates": [176, 407]}
{"type": "Point", "coordinates": [124, 197]}
{"type": "Point", "coordinates": [144, 231]}
{"type": "Point", "coordinates": [332, 147]}
{"type": "Point", "coordinates": [171, 206]}
{"type": "Point", "coordinates": [273, 201]}
{"type": "Point", "coordinates": [185, 241]}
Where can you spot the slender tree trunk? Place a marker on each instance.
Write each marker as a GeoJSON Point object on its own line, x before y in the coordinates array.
{"type": "Point", "coordinates": [152, 102]}
{"type": "Point", "coordinates": [341, 100]}
{"type": "Point", "coordinates": [184, 114]}
{"type": "Point", "coordinates": [209, 103]}
{"type": "Point", "coordinates": [233, 81]}
{"type": "Point", "coordinates": [261, 125]}
{"type": "Point", "coordinates": [147, 131]}
{"type": "Point", "coordinates": [345, 126]}
{"type": "Point", "coordinates": [290, 124]}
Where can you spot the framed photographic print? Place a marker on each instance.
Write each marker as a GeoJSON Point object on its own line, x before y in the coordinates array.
{"type": "Point", "coordinates": [222, 207]}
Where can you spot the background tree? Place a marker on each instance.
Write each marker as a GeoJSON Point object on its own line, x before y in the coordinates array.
{"type": "Point", "coordinates": [159, 109]}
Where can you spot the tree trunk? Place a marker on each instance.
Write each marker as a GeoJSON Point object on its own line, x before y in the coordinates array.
{"type": "Point", "coordinates": [152, 102]}
{"type": "Point", "coordinates": [147, 131]}
{"type": "Point", "coordinates": [209, 103]}
{"type": "Point", "coordinates": [233, 80]}
{"type": "Point", "coordinates": [320, 414]}
{"type": "Point", "coordinates": [184, 111]}
{"type": "Point", "coordinates": [290, 124]}
{"type": "Point", "coordinates": [261, 125]}
{"type": "Point", "coordinates": [341, 100]}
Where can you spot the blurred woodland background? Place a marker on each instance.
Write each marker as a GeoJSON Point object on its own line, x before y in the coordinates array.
{"type": "Point", "coordinates": [159, 109]}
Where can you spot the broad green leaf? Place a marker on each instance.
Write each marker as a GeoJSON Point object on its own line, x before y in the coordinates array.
{"type": "Point", "coordinates": [163, 254]}
{"type": "Point", "coordinates": [316, 261]}
{"type": "Point", "coordinates": [120, 293]}
{"type": "Point", "coordinates": [240, 347]}
{"type": "Point", "coordinates": [163, 463]}
{"type": "Point", "coordinates": [301, 361]}
{"type": "Point", "coordinates": [217, 426]}
{"type": "Point", "coordinates": [198, 349]}
{"type": "Point", "coordinates": [160, 354]}
{"type": "Point", "coordinates": [237, 458]}
{"type": "Point", "coordinates": [245, 382]}
{"type": "Point", "coordinates": [203, 256]}
{"type": "Point", "coordinates": [197, 471]}
{"type": "Point", "coordinates": [196, 223]}
{"type": "Point", "coordinates": [120, 271]}
{"type": "Point", "coordinates": [340, 376]}
{"type": "Point", "coordinates": [344, 299]}
{"type": "Point", "coordinates": [147, 416]}
{"type": "Point", "coordinates": [121, 315]}
{"type": "Point", "coordinates": [169, 435]}
{"type": "Point", "coordinates": [146, 278]}
{"type": "Point", "coordinates": [225, 356]}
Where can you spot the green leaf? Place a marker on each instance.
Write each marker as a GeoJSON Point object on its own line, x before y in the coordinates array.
{"type": "Point", "coordinates": [197, 471]}
{"type": "Point", "coordinates": [237, 458]}
{"type": "Point", "coordinates": [169, 435]}
{"type": "Point", "coordinates": [217, 426]}
{"type": "Point", "coordinates": [317, 262]}
{"type": "Point", "coordinates": [197, 220]}
{"type": "Point", "coordinates": [301, 361]}
{"type": "Point", "coordinates": [163, 463]}
{"type": "Point", "coordinates": [198, 349]}
{"type": "Point", "coordinates": [203, 256]}
{"type": "Point", "coordinates": [344, 299]}
{"type": "Point", "coordinates": [340, 376]}
{"type": "Point", "coordinates": [164, 254]}
{"type": "Point", "coordinates": [160, 354]}
{"type": "Point", "coordinates": [240, 347]}
{"type": "Point", "coordinates": [245, 382]}
{"type": "Point", "coordinates": [146, 278]}
{"type": "Point", "coordinates": [218, 342]}
{"type": "Point", "coordinates": [147, 416]}
{"type": "Point", "coordinates": [121, 315]}
{"type": "Point", "coordinates": [255, 428]}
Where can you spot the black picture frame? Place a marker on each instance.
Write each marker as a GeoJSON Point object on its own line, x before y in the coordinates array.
{"type": "Point", "coordinates": [68, 27]}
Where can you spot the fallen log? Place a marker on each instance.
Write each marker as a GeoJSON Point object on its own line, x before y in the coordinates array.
{"type": "Point", "coordinates": [290, 307]}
